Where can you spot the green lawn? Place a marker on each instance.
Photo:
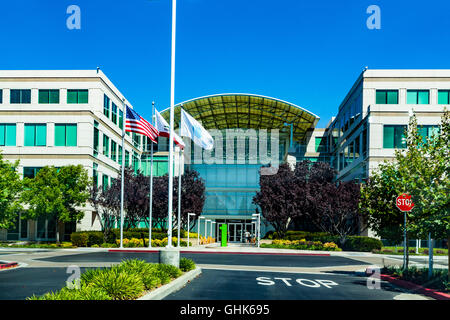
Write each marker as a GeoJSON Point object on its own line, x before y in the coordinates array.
{"type": "Point", "coordinates": [412, 251]}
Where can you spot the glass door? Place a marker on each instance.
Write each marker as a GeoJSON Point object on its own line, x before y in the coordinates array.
{"type": "Point", "coordinates": [239, 232]}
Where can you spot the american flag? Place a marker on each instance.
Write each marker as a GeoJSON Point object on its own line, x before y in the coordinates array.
{"type": "Point", "coordinates": [135, 123]}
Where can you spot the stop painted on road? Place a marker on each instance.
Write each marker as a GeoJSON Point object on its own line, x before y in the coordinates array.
{"type": "Point", "coordinates": [289, 282]}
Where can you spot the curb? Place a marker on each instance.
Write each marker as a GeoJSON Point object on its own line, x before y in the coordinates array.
{"type": "Point", "coordinates": [173, 286]}
{"type": "Point", "coordinates": [433, 293]}
{"type": "Point", "coordinates": [228, 252]}
{"type": "Point", "coordinates": [8, 265]}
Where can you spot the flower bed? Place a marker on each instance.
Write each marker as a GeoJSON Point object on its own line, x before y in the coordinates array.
{"type": "Point", "coordinates": [136, 243]}
{"type": "Point", "coordinates": [302, 245]}
{"type": "Point", "coordinates": [129, 280]}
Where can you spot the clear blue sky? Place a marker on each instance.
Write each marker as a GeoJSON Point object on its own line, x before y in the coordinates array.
{"type": "Point", "coordinates": [305, 52]}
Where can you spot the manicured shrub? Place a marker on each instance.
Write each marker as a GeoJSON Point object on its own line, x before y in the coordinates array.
{"type": "Point", "coordinates": [119, 284]}
{"type": "Point", "coordinates": [172, 271]}
{"type": "Point", "coordinates": [186, 264]}
{"type": "Point", "coordinates": [79, 239]}
{"type": "Point", "coordinates": [94, 237]}
{"type": "Point", "coordinates": [362, 244]}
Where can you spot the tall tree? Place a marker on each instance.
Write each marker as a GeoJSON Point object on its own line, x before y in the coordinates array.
{"type": "Point", "coordinates": [10, 191]}
{"type": "Point", "coordinates": [422, 170]}
{"type": "Point", "coordinates": [57, 193]}
{"type": "Point", "coordinates": [276, 198]}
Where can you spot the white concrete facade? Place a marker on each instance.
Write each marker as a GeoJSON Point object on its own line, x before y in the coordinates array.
{"type": "Point", "coordinates": [361, 118]}
{"type": "Point", "coordinates": [83, 115]}
{"type": "Point", "coordinates": [359, 124]}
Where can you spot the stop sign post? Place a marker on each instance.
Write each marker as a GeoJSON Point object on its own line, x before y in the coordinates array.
{"type": "Point", "coordinates": [404, 204]}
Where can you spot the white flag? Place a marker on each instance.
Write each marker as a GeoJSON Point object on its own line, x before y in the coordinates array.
{"type": "Point", "coordinates": [193, 129]}
{"type": "Point", "coordinates": [163, 127]}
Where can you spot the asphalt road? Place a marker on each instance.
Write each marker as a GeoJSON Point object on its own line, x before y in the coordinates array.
{"type": "Point", "coordinates": [223, 284]}
{"type": "Point", "coordinates": [21, 283]}
{"type": "Point", "coordinates": [18, 284]}
{"type": "Point", "coordinates": [216, 258]}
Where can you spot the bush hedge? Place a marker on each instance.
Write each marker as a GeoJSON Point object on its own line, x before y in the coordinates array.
{"type": "Point", "coordinates": [126, 281]}
{"type": "Point", "coordinates": [352, 243]}
{"type": "Point", "coordinates": [97, 238]}
{"type": "Point", "coordinates": [302, 245]}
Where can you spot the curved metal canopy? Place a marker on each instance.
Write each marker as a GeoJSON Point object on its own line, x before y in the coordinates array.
{"type": "Point", "coordinates": [247, 111]}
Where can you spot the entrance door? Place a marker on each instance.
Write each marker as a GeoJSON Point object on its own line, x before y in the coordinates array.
{"type": "Point", "coordinates": [235, 232]}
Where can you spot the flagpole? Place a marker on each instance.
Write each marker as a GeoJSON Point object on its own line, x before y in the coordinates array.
{"type": "Point", "coordinates": [179, 196]}
{"type": "Point", "coordinates": [123, 171]}
{"type": "Point", "coordinates": [151, 185]}
{"type": "Point", "coordinates": [172, 107]}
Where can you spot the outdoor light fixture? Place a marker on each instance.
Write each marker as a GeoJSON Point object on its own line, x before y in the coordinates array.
{"type": "Point", "coordinates": [198, 230]}
{"type": "Point", "coordinates": [189, 214]}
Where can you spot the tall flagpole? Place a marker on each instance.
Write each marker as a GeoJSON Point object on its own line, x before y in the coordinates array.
{"type": "Point", "coordinates": [172, 104]}
{"type": "Point", "coordinates": [179, 195]}
{"type": "Point", "coordinates": [123, 171]}
{"type": "Point", "coordinates": [150, 208]}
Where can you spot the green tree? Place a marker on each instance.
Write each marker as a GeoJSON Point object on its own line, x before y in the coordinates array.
{"type": "Point", "coordinates": [57, 193]}
{"type": "Point", "coordinates": [421, 170]}
{"type": "Point", "coordinates": [10, 190]}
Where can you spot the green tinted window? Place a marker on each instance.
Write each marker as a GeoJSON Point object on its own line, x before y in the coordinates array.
{"type": "Point", "coordinates": [96, 138]}
{"type": "Point", "coordinates": [77, 96]}
{"type": "Point", "coordinates": [387, 97]}
{"type": "Point", "coordinates": [127, 158]}
{"type": "Point", "coordinates": [444, 97]}
{"type": "Point", "coordinates": [114, 113]}
{"type": "Point", "coordinates": [106, 105]}
{"type": "Point", "coordinates": [83, 96]}
{"type": "Point", "coordinates": [105, 145]}
{"type": "Point", "coordinates": [20, 96]}
{"type": "Point", "coordinates": [48, 96]}
{"type": "Point", "coordinates": [120, 119]}
{"type": "Point", "coordinates": [35, 135]}
{"type": "Point", "coordinates": [30, 172]}
{"type": "Point", "coordinates": [105, 182]}
{"type": "Point", "coordinates": [418, 97]}
{"type": "Point", "coordinates": [392, 97]}
{"type": "Point", "coordinates": [394, 136]}
{"type": "Point", "coordinates": [113, 150]}
{"type": "Point", "coordinates": [65, 135]}
{"type": "Point", "coordinates": [95, 174]}
{"type": "Point", "coordinates": [60, 135]}
{"type": "Point", "coordinates": [381, 97]}
{"type": "Point", "coordinates": [411, 97]}
{"type": "Point", "coordinates": [7, 134]}
{"type": "Point", "coordinates": [72, 96]}
{"type": "Point", "coordinates": [423, 97]}
{"type": "Point", "coordinates": [1, 96]}
{"type": "Point", "coordinates": [41, 135]}
{"type": "Point", "coordinates": [120, 155]}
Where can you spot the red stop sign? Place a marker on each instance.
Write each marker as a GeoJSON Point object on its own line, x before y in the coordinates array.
{"type": "Point", "coordinates": [404, 202]}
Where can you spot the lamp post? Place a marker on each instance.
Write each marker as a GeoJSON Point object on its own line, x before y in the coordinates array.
{"type": "Point", "coordinates": [206, 227]}
{"type": "Point", "coordinates": [259, 226]}
{"type": "Point", "coordinates": [198, 230]}
{"type": "Point", "coordinates": [189, 214]}
{"type": "Point", "coordinates": [211, 231]}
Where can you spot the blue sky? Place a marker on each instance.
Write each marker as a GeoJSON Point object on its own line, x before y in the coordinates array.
{"type": "Point", "coordinates": [305, 52]}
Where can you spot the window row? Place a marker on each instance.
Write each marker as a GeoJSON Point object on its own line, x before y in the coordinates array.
{"type": "Point", "coordinates": [394, 136]}
{"type": "Point", "coordinates": [47, 96]}
{"type": "Point", "coordinates": [412, 97]}
{"type": "Point", "coordinates": [112, 112]}
{"type": "Point", "coordinates": [35, 135]}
